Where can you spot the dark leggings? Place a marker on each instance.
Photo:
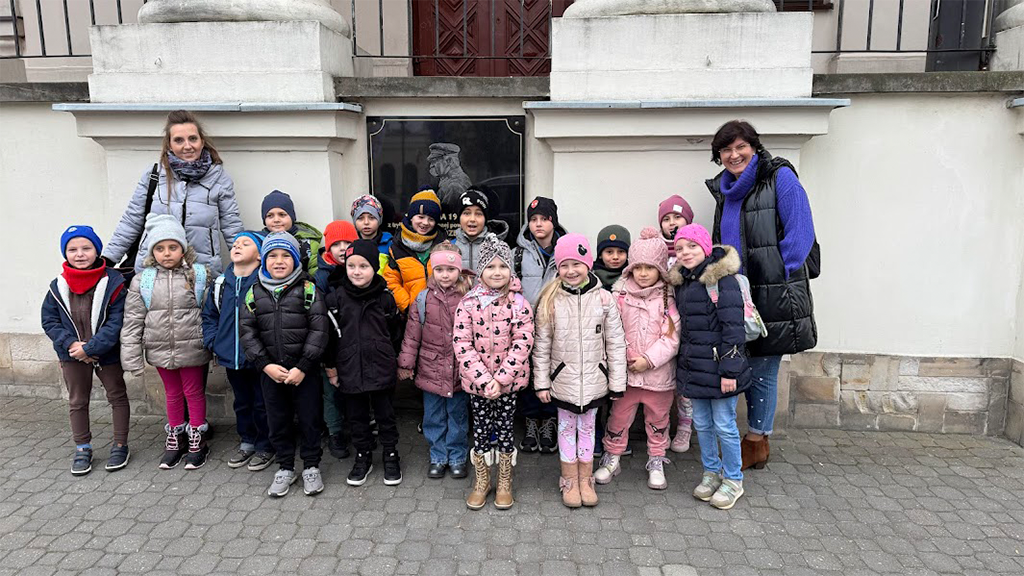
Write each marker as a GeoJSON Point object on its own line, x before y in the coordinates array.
{"type": "Point", "coordinates": [493, 416]}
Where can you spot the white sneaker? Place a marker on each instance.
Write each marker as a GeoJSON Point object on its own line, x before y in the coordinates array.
{"type": "Point", "coordinates": [312, 483]}
{"type": "Point", "coordinates": [282, 481]}
{"type": "Point", "coordinates": [727, 494]}
{"type": "Point", "coordinates": [709, 484]}
{"type": "Point", "coordinates": [656, 473]}
{"type": "Point", "coordinates": [608, 469]}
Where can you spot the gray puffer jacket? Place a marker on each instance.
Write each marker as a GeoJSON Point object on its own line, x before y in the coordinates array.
{"type": "Point", "coordinates": [170, 333]}
{"type": "Point", "coordinates": [535, 269]}
{"type": "Point", "coordinates": [210, 212]}
{"type": "Point", "coordinates": [470, 247]}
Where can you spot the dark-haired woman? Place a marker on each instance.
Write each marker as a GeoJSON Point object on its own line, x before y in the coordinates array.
{"type": "Point", "coordinates": [763, 211]}
{"type": "Point", "coordinates": [193, 187]}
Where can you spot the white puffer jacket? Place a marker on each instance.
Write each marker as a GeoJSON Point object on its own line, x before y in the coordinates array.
{"type": "Point", "coordinates": [580, 356]}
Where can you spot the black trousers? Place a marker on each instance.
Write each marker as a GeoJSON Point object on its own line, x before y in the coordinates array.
{"type": "Point", "coordinates": [357, 408]}
{"type": "Point", "coordinates": [286, 402]}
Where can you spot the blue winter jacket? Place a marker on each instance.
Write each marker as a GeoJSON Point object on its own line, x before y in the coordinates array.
{"type": "Point", "coordinates": [323, 271]}
{"type": "Point", "coordinates": [221, 320]}
{"type": "Point", "coordinates": [107, 318]}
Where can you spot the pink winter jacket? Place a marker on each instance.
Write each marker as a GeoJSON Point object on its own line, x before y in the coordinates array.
{"type": "Point", "coordinates": [645, 318]}
{"type": "Point", "coordinates": [427, 348]}
{"type": "Point", "coordinates": [493, 339]}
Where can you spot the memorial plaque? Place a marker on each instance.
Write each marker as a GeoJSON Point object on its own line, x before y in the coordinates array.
{"type": "Point", "coordinates": [448, 155]}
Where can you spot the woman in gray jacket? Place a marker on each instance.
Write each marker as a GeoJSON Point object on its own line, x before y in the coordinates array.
{"type": "Point", "coordinates": [193, 187]}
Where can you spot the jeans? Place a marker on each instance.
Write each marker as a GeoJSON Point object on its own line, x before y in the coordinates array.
{"type": "Point", "coordinates": [763, 393]}
{"type": "Point", "coordinates": [715, 422]}
{"type": "Point", "coordinates": [446, 427]}
{"type": "Point", "coordinates": [250, 410]}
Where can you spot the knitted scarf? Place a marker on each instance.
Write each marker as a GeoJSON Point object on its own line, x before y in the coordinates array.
{"type": "Point", "coordinates": [416, 242]}
{"type": "Point", "coordinates": [190, 171]}
{"type": "Point", "coordinates": [81, 281]}
{"type": "Point", "coordinates": [277, 285]}
{"type": "Point", "coordinates": [608, 276]}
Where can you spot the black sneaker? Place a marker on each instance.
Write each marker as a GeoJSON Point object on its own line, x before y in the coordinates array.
{"type": "Point", "coordinates": [198, 449]}
{"type": "Point", "coordinates": [260, 461]}
{"type": "Point", "coordinates": [240, 458]}
{"type": "Point", "coordinates": [81, 464]}
{"type": "Point", "coordinates": [548, 442]}
{"type": "Point", "coordinates": [338, 446]}
{"type": "Point", "coordinates": [435, 471]}
{"type": "Point", "coordinates": [118, 458]}
{"type": "Point", "coordinates": [529, 441]}
{"type": "Point", "coordinates": [361, 468]}
{"type": "Point", "coordinates": [175, 446]}
{"type": "Point", "coordinates": [392, 468]}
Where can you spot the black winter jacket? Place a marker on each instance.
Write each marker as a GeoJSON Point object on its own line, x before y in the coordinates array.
{"type": "Point", "coordinates": [785, 304]}
{"type": "Point", "coordinates": [712, 340]}
{"type": "Point", "coordinates": [286, 330]}
{"type": "Point", "coordinates": [366, 337]}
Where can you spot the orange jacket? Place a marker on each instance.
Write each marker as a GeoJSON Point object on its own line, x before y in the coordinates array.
{"type": "Point", "coordinates": [406, 275]}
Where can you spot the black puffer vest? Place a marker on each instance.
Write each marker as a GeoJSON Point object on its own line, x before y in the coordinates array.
{"type": "Point", "coordinates": [785, 304]}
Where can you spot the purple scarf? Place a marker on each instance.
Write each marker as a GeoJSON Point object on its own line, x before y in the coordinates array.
{"type": "Point", "coordinates": [190, 171]}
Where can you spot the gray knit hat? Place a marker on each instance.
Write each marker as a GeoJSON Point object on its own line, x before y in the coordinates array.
{"type": "Point", "coordinates": [492, 248]}
{"type": "Point", "coordinates": [160, 227]}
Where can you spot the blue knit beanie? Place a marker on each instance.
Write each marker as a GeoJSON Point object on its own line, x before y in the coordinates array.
{"type": "Point", "coordinates": [279, 241]}
{"type": "Point", "coordinates": [278, 199]}
{"type": "Point", "coordinates": [256, 237]}
{"type": "Point", "coordinates": [79, 231]}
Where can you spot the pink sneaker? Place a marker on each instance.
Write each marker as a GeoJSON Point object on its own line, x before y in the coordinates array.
{"type": "Point", "coordinates": [681, 443]}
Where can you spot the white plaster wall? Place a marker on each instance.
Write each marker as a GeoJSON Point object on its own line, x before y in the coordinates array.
{"type": "Point", "coordinates": [49, 178]}
{"type": "Point", "coordinates": [919, 207]}
{"type": "Point", "coordinates": [1018, 350]}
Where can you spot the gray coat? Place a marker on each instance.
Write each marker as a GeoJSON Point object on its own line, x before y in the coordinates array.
{"type": "Point", "coordinates": [470, 248]}
{"type": "Point", "coordinates": [211, 212]}
{"type": "Point", "coordinates": [533, 271]}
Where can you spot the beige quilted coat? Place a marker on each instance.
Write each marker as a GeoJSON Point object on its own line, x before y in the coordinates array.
{"type": "Point", "coordinates": [581, 356]}
{"type": "Point", "coordinates": [170, 333]}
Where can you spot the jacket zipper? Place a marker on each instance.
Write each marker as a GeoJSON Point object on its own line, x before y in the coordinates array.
{"type": "Point", "coordinates": [238, 287]}
{"type": "Point", "coordinates": [170, 300]}
{"type": "Point", "coordinates": [68, 312]}
{"type": "Point", "coordinates": [579, 312]}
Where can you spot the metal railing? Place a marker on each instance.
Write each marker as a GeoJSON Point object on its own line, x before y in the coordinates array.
{"type": "Point", "coordinates": [47, 24]}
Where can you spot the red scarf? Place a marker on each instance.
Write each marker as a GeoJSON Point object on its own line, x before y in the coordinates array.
{"type": "Point", "coordinates": [81, 281]}
{"type": "Point", "coordinates": [329, 258]}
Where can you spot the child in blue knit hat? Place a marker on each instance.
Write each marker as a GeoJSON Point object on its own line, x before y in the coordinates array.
{"type": "Point", "coordinates": [82, 314]}
{"type": "Point", "coordinates": [222, 312]}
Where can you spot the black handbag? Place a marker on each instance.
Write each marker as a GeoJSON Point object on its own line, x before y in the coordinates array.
{"type": "Point", "coordinates": [127, 265]}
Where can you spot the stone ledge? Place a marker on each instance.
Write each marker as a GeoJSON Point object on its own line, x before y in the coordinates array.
{"type": "Point", "coordinates": [520, 88]}
{"type": "Point", "coordinates": [837, 84]}
{"type": "Point", "coordinates": [44, 92]}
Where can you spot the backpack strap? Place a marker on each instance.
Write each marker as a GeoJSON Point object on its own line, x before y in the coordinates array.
{"type": "Point", "coordinates": [146, 282]}
{"type": "Point", "coordinates": [200, 283]}
{"type": "Point", "coordinates": [250, 300]}
{"type": "Point", "coordinates": [421, 305]}
{"type": "Point", "coordinates": [712, 293]}
{"type": "Point", "coordinates": [218, 291]}
{"type": "Point", "coordinates": [308, 294]}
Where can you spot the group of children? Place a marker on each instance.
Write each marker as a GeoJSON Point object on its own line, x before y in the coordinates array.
{"type": "Point", "coordinates": [318, 336]}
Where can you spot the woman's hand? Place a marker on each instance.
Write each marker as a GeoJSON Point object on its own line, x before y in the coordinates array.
{"type": "Point", "coordinates": [728, 385]}
{"type": "Point", "coordinates": [295, 377]}
{"type": "Point", "coordinates": [276, 372]}
{"type": "Point", "coordinates": [544, 396]}
{"type": "Point", "coordinates": [405, 374]}
{"type": "Point", "coordinates": [332, 376]}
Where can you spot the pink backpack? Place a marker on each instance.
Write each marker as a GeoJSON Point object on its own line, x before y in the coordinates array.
{"type": "Point", "coordinates": [752, 322]}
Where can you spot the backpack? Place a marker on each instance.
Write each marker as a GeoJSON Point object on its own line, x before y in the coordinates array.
{"type": "Point", "coordinates": [148, 279]}
{"type": "Point", "coordinates": [218, 291]}
{"type": "Point", "coordinates": [308, 297]}
{"type": "Point", "coordinates": [753, 325]}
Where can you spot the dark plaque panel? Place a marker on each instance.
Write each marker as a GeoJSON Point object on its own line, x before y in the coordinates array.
{"type": "Point", "coordinates": [448, 155]}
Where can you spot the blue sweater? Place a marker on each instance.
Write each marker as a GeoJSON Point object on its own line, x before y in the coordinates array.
{"type": "Point", "coordinates": [221, 320]}
{"type": "Point", "coordinates": [791, 203]}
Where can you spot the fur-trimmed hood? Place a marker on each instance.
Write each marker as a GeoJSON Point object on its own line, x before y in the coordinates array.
{"type": "Point", "coordinates": [723, 261]}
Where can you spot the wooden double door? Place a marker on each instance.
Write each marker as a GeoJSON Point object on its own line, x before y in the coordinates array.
{"type": "Point", "coordinates": [483, 37]}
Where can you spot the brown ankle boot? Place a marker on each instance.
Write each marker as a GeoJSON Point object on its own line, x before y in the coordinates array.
{"type": "Point", "coordinates": [481, 481]}
{"type": "Point", "coordinates": [569, 483]}
{"type": "Point", "coordinates": [754, 453]}
{"type": "Point", "coordinates": [587, 494]}
{"type": "Point", "coordinates": [503, 497]}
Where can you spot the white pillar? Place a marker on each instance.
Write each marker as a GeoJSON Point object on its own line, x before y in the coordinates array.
{"type": "Point", "coordinates": [1009, 28]}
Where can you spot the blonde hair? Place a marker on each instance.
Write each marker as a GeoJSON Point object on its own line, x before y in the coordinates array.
{"type": "Point", "coordinates": [545, 309]}
{"type": "Point", "coordinates": [173, 119]}
{"type": "Point", "coordinates": [463, 284]}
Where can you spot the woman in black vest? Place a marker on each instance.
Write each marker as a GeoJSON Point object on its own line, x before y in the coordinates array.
{"type": "Point", "coordinates": [763, 211]}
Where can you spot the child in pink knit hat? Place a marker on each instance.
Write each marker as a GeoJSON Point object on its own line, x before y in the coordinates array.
{"type": "Point", "coordinates": [674, 212]}
{"type": "Point", "coordinates": [579, 361]}
{"type": "Point", "coordinates": [650, 320]}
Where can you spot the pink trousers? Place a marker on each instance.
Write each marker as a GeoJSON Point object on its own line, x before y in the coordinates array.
{"type": "Point", "coordinates": [184, 385]}
{"type": "Point", "coordinates": [657, 406]}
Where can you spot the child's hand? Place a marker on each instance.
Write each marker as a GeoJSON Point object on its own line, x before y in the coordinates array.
{"type": "Point", "coordinates": [77, 352]}
{"type": "Point", "coordinates": [294, 377]}
{"type": "Point", "coordinates": [544, 396]}
{"type": "Point", "coordinates": [276, 372]}
{"type": "Point", "coordinates": [492, 390]}
{"type": "Point", "coordinates": [639, 364]}
{"type": "Point", "coordinates": [728, 385]}
{"type": "Point", "coordinates": [332, 376]}
{"type": "Point", "coordinates": [404, 374]}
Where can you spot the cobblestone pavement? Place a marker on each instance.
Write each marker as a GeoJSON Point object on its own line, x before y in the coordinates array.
{"type": "Point", "coordinates": [830, 502]}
